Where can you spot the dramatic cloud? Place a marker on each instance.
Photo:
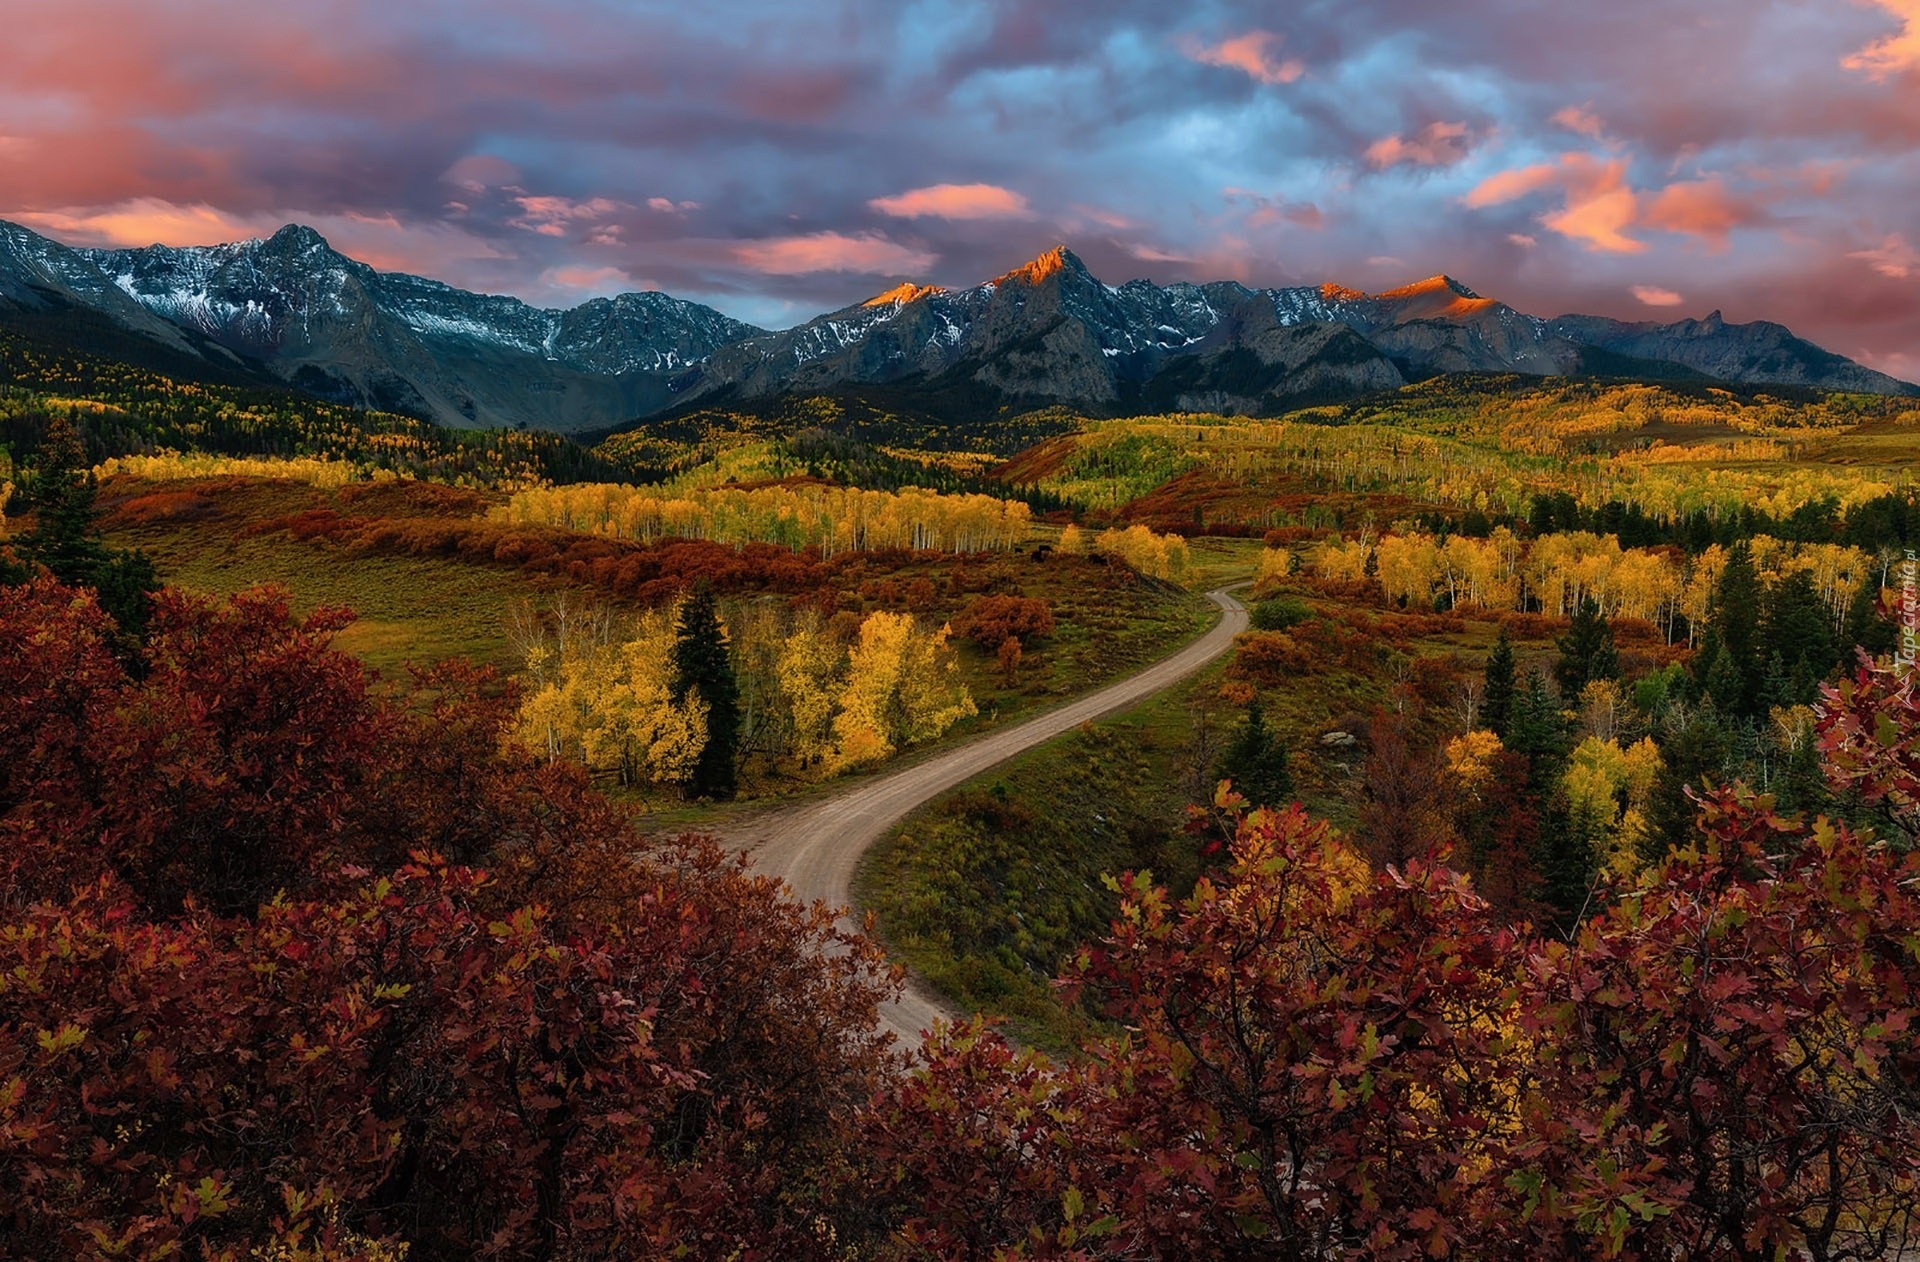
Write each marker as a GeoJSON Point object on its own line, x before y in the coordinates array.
{"type": "Point", "coordinates": [1435, 145]}
{"type": "Point", "coordinates": [1704, 208]}
{"type": "Point", "coordinates": [1264, 211]}
{"type": "Point", "coordinates": [868, 254]}
{"type": "Point", "coordinates": [1255, 54]}
{"type": "Point", "coordinates": [554, 216]}
{"type": "Point", "coordinates": [1654, 296]}
{"type": "Point", "coordinates": [1894, 54]}
{"type": "Point", "coordinates": [1598, 206]}
{"type": "Point", "coordinates": [955, 201]}
{"type": "Point", "coordinates": [775, 159]}
{"type": "Point", "coordinates": [1578, 118]}
{"type": "Point", "coordinates": [143, 221]}
{"type": "Point", "coordinates": [1892, 258]}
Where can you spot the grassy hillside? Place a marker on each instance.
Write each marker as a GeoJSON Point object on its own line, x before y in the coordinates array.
{"type": "Point", "coordinates": [1496, 446]}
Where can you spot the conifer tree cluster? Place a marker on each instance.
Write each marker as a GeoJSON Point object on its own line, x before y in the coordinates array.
{"type": "Point", "coordinates": [65, 536]}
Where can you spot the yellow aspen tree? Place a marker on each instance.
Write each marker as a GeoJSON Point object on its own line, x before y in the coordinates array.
{"type": "Point", "coordinates": [1275, 564]}
{"type": "Point", "coordinates": [809, 672]}
{"type": "Point", "coordinates": [640, 728]}
{"type": "Point", "coordinates": [902, 687]}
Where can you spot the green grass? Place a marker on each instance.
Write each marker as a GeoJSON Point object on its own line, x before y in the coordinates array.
{"type": "Point", "coordinates": [984, 891]}
{"type": "Point", "coordinates": [412, 609]}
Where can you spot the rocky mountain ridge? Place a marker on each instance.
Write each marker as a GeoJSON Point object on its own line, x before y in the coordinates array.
{"type": "Point", "coordinates": [291, 308]}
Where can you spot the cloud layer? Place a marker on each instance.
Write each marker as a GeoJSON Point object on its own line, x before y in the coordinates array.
{"type": "Point", "coordinates": [1753, 155]}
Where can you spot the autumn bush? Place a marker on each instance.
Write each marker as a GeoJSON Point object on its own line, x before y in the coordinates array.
{"type": "Point", "coordinates": [291, 958]}
{"type": "Point", "coordinates": [990, 621]}
{"type": "Point", "coordinates": [294, 962]}
{"type": "Point", "coordinates": [1315, 1058]}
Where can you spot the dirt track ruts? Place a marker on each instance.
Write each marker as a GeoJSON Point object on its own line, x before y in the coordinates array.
{"type": "Point", "coordinates": [816, 847]}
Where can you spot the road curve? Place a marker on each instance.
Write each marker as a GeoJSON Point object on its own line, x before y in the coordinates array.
{"type": "Point", "coordinates": [816, 847]}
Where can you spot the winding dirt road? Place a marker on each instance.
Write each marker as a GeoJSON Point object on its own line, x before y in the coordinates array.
{"type": "Point", "coordinates": [816, 847]}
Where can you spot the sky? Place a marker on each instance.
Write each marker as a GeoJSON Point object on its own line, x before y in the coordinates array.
{"type": "Point", "coordinates": [1645, 159]}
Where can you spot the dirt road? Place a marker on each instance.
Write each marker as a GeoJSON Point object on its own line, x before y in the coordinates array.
{"type": "Point", "coordinates": [816, 847]}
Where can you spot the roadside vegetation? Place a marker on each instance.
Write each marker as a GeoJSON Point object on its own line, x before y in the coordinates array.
{"type": "Point", "coordinates": [1538, 876]}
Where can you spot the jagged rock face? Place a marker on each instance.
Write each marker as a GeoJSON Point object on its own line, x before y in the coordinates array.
{"type": "Point", "coordinates": [1045, 333]}
{"type": "Point", "coordinates": [1758, 352]}
{"type": "Point", "coordinates": [335, 327]}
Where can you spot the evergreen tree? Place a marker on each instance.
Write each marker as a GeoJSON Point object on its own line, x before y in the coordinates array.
{"type": "Point", "coordinates": [1798, 628]}
{"type": "Point", "coordinates": [1539, 731]}
{"type": "Point", "coordinates": [1776, 686]}
{"type": "Point", "coordinates": [1800, 786]}
{"type": "Point", "coordinates": [1256, 762]}
{"type": "Point", "coordinates": [1568, 861]}
{"type": "Point", "coordinates": [1587, 652]}
{"type": "Point", "coordinates": [1736, 621]}
{"type": "Point", "coordinates": [1699, 748]}
{"type": "Point", "coordinates": [1497, 703]}
{"type": "Point", "coordinates": [1865, 627]}
{"type": "Point", "coordinates": [702, 666]}
{"type": "Point", "coordinates": [1723, 686]}
{"type": "Point", "coordinates": [62, 492]}
{"type": "Point", "coordinates": [66, 534]}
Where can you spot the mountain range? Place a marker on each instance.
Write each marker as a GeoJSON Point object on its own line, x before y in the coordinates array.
{"type": "Point", "coordinates": [291, 309]}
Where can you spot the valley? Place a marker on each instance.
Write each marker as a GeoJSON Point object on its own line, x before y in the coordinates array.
{"type": "Point", "coordinates": [958, 712]}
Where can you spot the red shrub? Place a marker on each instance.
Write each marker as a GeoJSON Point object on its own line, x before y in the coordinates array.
{"type": "Point", "coordinates": [991, 621]}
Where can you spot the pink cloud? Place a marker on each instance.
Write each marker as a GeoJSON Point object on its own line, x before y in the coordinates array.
{"type": "Point", "coordinates": [1581, 119]}
{"type": "Point", "coordinates": [1265, 211]}
{"type": "Point", "coordinates": [1506, 186]}
{"type": "Point", "coordinates": [551, 216]}
{"type": "Point", "coordinates": [955, 201]}
{"type": "Point", "coordinates": [1892, 55]}
{"type": "Point", "coordinates": [1598, 205]}
{"type": "Point", "coordinates": [1254, 54]}
{"type": "Point", "coordinates": [1654, 296]}
{"type": "Point", "coordinates": [595, 279]}
{"type": "Point", "coordinates": [667, 206]}
{"type": "Point", "coordinates": [1436, 144]}
{"type": "Point", "coordinates": [478, 172]}
{"type": "Point", "coordinates": [143, 221]}
{"type": "Point", "coordinates": [1893, 258]}
{"type": "Point", "coordinates": [1703, 208]}
{"type": "Point", "coordinates": [1105, 218]}
{"type": "Point", "coordinates": [867, 253]}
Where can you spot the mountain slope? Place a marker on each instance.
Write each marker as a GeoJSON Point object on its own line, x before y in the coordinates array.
{"type": "Point", "coordinates": [312, 317]}
{"type": "Point", "coordinates": [292, 309]}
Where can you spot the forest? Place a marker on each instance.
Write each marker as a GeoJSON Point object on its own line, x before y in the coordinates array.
{"type": "Point", "coordinates": [1536, 876]}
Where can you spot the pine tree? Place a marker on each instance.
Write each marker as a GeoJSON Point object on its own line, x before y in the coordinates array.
{"type": "Point", "coordinates": [703, 667]}
{"type": "Point", "coordinates": [1865, 627]}
{"type": "Point", "coordinates": [1256, 762]}
{"type": "Point", "coordinates": [1538, 730]}
{"type": "Point", "coordinates": [1723, 686]}
{"type": "Point", "coordinates": [1568, 860]}
{"type": "Point", "coordinates": [1587, 652]}
{"type": "Point", "coordinates": [1799, 629]}
{"type": "Point", "coordinates": [1497, 704]}
{"type": "Point", "coordinates": [66, 534]}
{"type": "Point", "coordinates": [1736, 621]}
{"type": "Point", "coordinates": [1700, 748]}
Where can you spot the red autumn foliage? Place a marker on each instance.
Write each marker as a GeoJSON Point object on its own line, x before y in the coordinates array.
{"type": "Point", "coordinates": [221, 1027]}
{"type": "Point", "coordinates": [1870, 736]}
{"type": "Point", "coordinates": [1315, 1062]}
{"type": "Point", "coordinates": [1303, 1063]}
{"type": "Point", "coordinates": [294, 964]}
{"type": "Point", "coordinates": [990, 621]}
{"type": "Point", "coordinates": [642, 572]}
